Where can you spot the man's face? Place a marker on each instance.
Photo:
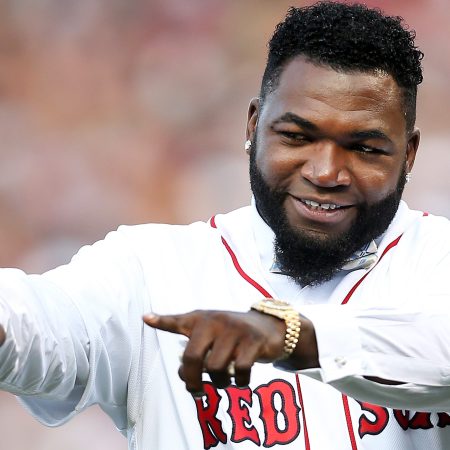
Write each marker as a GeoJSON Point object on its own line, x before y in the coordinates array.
{"type": "Point", "coordinates": [329, 154]}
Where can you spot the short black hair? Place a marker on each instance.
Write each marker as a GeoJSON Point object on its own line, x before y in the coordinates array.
{"type": "Point", "coordinates": [347, 38]}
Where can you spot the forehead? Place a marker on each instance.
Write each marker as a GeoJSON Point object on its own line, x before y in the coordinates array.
{"type": "Point", "coordinates": [356, 99]}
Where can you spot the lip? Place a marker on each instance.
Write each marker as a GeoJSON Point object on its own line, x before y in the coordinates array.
{"type": "Point", "coordinates": [323, 216]}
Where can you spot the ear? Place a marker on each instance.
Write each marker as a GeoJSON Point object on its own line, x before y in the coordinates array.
{"type": "Point", "coordinates": [252, 118]}
{"type": "Point", "coordinates": [411, 148]}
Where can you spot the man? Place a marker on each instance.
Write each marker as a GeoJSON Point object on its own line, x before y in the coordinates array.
{"type": "Point", "coordinates": [331, 141]}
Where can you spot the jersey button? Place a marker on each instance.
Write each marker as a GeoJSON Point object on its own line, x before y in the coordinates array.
{"type": "Point", "coordinates": [340, 361]}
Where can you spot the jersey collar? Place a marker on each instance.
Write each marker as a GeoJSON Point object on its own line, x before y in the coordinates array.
{"type": "Point", "coordinates": [365, 258]}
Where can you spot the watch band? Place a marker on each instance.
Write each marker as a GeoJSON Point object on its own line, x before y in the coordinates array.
{"type": "Point", "coordinates": [284, 311]}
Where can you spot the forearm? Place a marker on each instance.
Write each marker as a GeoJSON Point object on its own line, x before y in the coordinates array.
{"type": "Point", "coordinates": [384, 356]}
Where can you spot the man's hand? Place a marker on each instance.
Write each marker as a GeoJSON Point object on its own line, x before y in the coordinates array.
{"type": "Point", "coordinates": [2, 335]}
{"type": "Point", "coordinates": [218, 338]}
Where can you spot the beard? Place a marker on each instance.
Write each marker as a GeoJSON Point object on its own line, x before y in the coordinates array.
{"type": "Point", "coordinates": [313, 260]}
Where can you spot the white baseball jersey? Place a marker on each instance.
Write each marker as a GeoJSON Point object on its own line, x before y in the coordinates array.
{"type": "Point", "coordinates": [75, 337]}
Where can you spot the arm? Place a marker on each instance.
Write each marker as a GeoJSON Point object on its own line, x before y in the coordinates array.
{"type": "Point", "coordinates": [364, 369]}
{"type": "Point", "coordinates": [397, 357]}
{"type": "Point", "coordinates": [396, 353]}
{"type": "Point", "coordinates": [68, 334]}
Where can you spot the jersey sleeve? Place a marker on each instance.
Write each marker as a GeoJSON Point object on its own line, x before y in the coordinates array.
{"type": "Point", "coordinates": [407, 347]}
{"type": "Point", "coordinates": [403, 337]}
{"type": "Point", "coordinates": [70, 332]}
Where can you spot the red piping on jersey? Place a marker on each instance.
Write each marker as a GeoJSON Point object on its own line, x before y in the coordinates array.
{"type": "Point", "coordinates": [238, 267]}
{"type": "Point", "coordinates": [305, 428]}
{"type": "Point", "coordinates": [257, 286]}
{"type": "Point", "coordinates": [348, 417]}
{"type": "Point", "coordinates": [353, 289]}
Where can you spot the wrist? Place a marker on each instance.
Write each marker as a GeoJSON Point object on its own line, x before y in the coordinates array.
{"type": "Point", "coordinates": [306, 355]}
{"type": "Point", "coordinates": [283, 311]}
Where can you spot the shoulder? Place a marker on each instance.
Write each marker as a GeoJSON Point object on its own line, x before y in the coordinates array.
{"type": "Point", "coordinates": [425, 242]}
{"type": "Point", "coordinates": [418, 225]}
{"type": "Point", "coordinates": [429, 230]}
{"type": "Point", "coordinates": [195, 236]}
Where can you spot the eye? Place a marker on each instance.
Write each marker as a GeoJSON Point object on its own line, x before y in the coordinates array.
{"type": "Point", "coordinates": [292, 137]}
{"type": "Point", "coordinates": [367, 149]}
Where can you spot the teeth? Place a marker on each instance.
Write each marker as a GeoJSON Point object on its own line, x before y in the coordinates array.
{"type": "Point", "coordinates": [316, 205]}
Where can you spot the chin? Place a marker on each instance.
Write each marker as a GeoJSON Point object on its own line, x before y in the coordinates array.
{"type": "Point", "coordinates": [329, 234]}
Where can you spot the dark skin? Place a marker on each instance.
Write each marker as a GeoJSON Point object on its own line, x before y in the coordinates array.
{"type": "Point", "coordinates": [244, 338]}
{"type": "Point", "coordinates": [330, 137]}
{"type": "Point", "coordinates": [324, 136]}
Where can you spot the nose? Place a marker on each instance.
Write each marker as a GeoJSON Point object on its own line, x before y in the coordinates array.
{"type": "Point", "coordinates": [326, 166]}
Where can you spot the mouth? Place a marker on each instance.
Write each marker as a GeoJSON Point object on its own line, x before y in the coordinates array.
{"type": "Point", "coordinates": [323, 214]}
{"type": "Point", "coordinates": [313, 205]}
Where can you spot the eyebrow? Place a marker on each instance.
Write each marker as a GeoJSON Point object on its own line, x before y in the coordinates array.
{"type": "Point", "coordinates": [369, 134]}
{"type": "Point", "coordinates": [300, 121]}
{"type": "Point", "coordinates": [306, 124]}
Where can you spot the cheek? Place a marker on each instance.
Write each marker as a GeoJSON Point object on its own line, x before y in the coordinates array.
{"type": "Point", "coordinates": [276, 169]}
{"type": "Point", "coordinates": [377, 183]}
{"type": "Point", "coordinates": [278, 165]}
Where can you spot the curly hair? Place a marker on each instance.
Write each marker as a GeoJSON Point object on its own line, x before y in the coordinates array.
{"type": "Point", "coordinates": [347, 38]}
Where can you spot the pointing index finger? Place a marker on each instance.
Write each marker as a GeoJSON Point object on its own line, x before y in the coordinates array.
{"type": "Point", "coordinates": [177, 323]}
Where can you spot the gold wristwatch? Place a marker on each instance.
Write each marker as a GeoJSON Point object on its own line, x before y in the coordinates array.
{"type": "Point", "coordinates": [284, 311]}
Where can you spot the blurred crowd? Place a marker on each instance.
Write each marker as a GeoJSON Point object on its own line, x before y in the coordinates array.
{"type": "Point", "coordinates": [130, 111]}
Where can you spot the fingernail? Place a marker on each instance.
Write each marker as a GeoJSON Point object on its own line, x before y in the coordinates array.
{"type": "Point", "coordinates": [149, 316]}
{"type": "Point", "coordinates": [198, 395]}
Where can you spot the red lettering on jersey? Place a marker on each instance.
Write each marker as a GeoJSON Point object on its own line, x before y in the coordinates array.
{"type": "Point", "coordinates": [419, 421]}
{"type": "Point", "coordinates": [281, 425]}
{"type": "Point", "coordinates": [375, 426]}
{"type": "Point", "coordinates": [206, 412]}
{"type": "Point", "coordinates": [444, 420]}
{"type": "Point", "coordinates": [240, 400]}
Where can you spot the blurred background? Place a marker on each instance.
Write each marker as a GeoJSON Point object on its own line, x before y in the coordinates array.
{"type": "Point", "coordinates": [130, 111]}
